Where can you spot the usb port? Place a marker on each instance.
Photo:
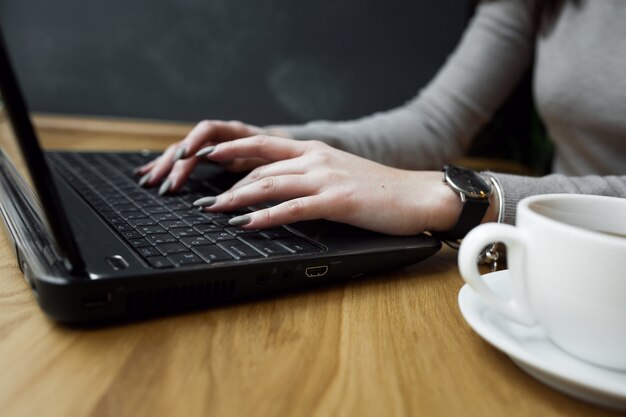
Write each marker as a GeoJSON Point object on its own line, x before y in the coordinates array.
{"type": "Point", "coordinates": [316, 271]}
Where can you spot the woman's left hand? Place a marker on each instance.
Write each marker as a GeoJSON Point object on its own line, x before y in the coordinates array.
{"type": "Point", "coordinates": [316, 181]}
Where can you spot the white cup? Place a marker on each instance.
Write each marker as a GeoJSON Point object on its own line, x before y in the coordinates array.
{"type": "Point", "coordinates": [567, 261]}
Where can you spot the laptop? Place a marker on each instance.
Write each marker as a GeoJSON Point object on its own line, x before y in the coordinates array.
{"type": "Point", "coordinates": [96, 246]}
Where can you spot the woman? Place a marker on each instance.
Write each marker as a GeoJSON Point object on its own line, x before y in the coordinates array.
{"type": "Point", "coordinates": [579, 56]}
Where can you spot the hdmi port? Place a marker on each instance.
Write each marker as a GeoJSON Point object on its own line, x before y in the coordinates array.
{"type": "Point", "coordinates": [316, 271]}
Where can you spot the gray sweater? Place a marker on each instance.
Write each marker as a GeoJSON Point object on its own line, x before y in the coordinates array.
{"type": "Point", "coordinates": [579, 87]}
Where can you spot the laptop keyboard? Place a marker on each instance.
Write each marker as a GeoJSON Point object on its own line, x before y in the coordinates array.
{"type": "Point", "coordinates": [168, 231]}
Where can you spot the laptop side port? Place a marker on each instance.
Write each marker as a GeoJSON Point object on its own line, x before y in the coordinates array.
{"type": "Point", "coordinates": [316, 271]}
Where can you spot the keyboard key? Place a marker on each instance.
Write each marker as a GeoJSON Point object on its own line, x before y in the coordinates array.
{"type": "Point", "coordinates": [190, 210]}
{"type": "Point", "coordinates": [222, 223]}
{"type": "Point", "coordinates": [160, 217]}
{"type": "Point", "coordinates": [175, 247]}
{"type": "Point", "coordinates": [116, 201]}
{"type": "Point", "coordinates": [145, 221]}
{"type": "Point", "coordinates": [114, 219]}
{"type": "Point", "coordinates": [124, 207]}
{"type": "Point", "coordinates": [195, 186]}
{"type": "Point", "coordinates": [131, 234]}
{"type": "Point", "coordinates": [212, 253]}
{"type": "Point", "coordinates": [184, 232]}
{"type": "Point", "coordinates": [182, 259]}
{"type": "Point", "coordinates": [151, 230]}
{"type": "Point", "coordinates": [276, 233]}
{"type": "Point", "coordinates": [133, 214]}
{"type": "Point", "coordinates": [207, 227]}
{"type": "Point", "coordinates": [161, 238]}
{"type": "Point", "coordinates": [193, 196]}
{"type": "Point", "coordinates": [142, 200]}
{"type": "Point", "coordinates": [154, 210]}
{"type": "Point", "coordinates": [159, 262]}
{"type": "Point", "coordinates": [196, 219]}
{"type": "Point", "coordinates": [237, 231]}
{"type": "Point", "coordinates": [124, 227]}
{"type": "Point", "coordinates": [298, 245]}
{"type": "Point", "coordinates": [148, 251]}
{"type": "Point", "coordinates": [219, 236]}
{"type": "Point", "coordinates": [138, 243]}
{"type": "Point", "coordinates": [174, 206]}
{"type": "Point", "coordinates": [195, 241]}
{"type": "Point", "coordinates": [268, 247]}
{"type": "Point", "coordinates": [240, 249]}
{"type": "Point", "coordinates": [213, 216]}
{"type": "Point", "coordinates": [168, 224]}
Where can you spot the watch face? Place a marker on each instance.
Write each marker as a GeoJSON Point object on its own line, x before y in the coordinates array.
{"type": "Point", "coordinates": [467, 182]}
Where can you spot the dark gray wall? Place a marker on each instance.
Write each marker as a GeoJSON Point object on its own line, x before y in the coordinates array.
{"type": "Point", "coordinates": [270, 61]}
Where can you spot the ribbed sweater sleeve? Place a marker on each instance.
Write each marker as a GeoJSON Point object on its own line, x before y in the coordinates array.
{"type": "Point", "coordinates": [516, 187]}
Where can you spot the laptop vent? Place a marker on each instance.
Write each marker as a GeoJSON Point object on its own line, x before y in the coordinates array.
{"type": "Point", "coordinates": [179, 297]}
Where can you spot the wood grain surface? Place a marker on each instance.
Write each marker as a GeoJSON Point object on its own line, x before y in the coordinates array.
{"type": "Point", "coordinates": [393, 344]}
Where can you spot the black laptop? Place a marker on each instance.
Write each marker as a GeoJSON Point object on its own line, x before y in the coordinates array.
{"type": "Point", "coordinates": [95, 246]}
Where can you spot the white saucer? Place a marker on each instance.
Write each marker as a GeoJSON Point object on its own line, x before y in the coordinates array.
{"type": "Point", "coordinates": [530, 349]}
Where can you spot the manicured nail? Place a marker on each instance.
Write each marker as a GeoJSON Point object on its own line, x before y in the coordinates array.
{"type": "Point", "coordinates": [180, 152]}
{"type": "Point", "coordinates": [205, 201]}
{"type": "Point", "coordinates": [240, 220]}
{"type": "Point", "coordinates": [165, 187]}
{"type": "Point", "coordinates": [205, 151]}
{"type": "Point", "coordinates": [144, 180]}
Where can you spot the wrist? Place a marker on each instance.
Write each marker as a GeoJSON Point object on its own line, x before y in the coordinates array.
{"type": "Point", "coordinates": [448, 206]}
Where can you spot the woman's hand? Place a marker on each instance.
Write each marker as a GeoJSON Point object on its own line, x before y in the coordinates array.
{"type": "Point", "coordinates": [316, 181]}
{"type": "Point", "coordinates": [174, 166]}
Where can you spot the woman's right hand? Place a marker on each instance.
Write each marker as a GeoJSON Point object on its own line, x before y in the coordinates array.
{"type": "Point", "coordinates": [172, 168]}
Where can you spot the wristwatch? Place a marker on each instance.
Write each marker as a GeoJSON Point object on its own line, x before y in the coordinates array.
{"type": "Point", "coordinates": [474, 191]}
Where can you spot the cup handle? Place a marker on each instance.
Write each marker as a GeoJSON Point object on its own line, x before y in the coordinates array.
{"type": "Point", "coordinates": [516, 308]}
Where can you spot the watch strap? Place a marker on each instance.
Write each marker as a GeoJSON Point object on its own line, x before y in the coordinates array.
{"type": "Point", "coordinates": [471, 216]}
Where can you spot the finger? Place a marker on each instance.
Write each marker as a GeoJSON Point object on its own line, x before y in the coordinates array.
{"type": "Point", "coordinates": [143, 169]}
{"type": "Point", "coordinates": [283, 187]}
{"type": "Point", "coordinates": [244, 164]}
{"type": "Point", "coordinates": [270, 148]}
{"type": "Point", "coordinates": [203, 132]}
{"type": "Point", "coordinates": [300, 209]}
{"type": "Point", "coordinates": [180, 172]}
{"type": "Point", "coordinates": [286, 167]}
{"type": "Point", "coordinates": [211, 131]}
{"type": "Point", "coordinates": [162, 166]}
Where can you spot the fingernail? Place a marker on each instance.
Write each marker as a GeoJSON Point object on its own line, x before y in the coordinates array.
{"type": "Point", "coordinates": [205, 151]}
{"type": "Point", "coordinates": [240, 220]}
{"type": "Point", "coordinates": [136, 170]}
{"type": "Point", "coordinates": [205, 201]}
{"type": "Point", "coordinates": [180, 152]}
{"type": "Point", "coordinates": [144, 180]}
{"type": "Point", "coordinates": [165, 187]}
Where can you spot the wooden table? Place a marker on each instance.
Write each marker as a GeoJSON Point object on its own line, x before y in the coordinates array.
{"type": "Point", "coordinates": [390, 345]}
